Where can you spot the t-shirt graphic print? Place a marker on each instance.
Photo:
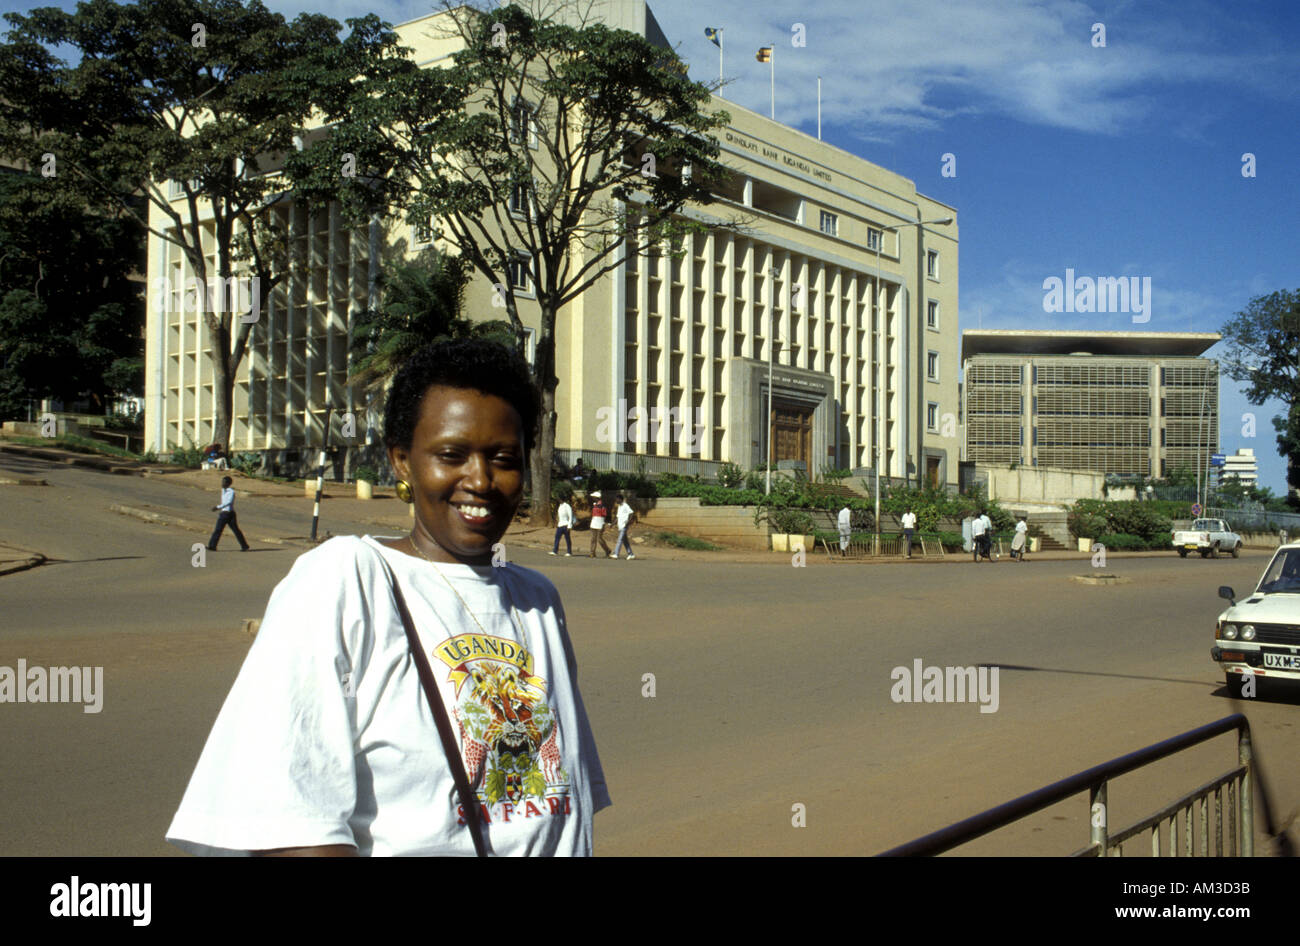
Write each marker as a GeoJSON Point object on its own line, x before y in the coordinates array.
{"type": "Point", "coordinates": [507, 726]}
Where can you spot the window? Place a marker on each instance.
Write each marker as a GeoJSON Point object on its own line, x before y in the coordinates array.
{"type": "Point", "coordinates": [523, 126]}
{"type": "Point", "coordinates": [932, 263]}
{"type": "Point", "coordinates": [521, 276]}
{"type": "Point", "coordinates": [932, 315]}
{"type": "Point", "coordinates": [873, 239]}
{"type": "Point", "coordinates": [932, 416]}
{"type": "Point", "coordinates": [830, 224]}
{"type": "Point", "coordinates": [932, 365]}
{"type": "Point", "coordinates": [422, 231]}
{"type": "Point", "coordinates": [530, 346]}
{"type": "Point", "coordinates": [519, 201]}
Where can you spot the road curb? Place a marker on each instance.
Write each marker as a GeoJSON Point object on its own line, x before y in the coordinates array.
{"type": "Point", "coordinates": [155, 517]}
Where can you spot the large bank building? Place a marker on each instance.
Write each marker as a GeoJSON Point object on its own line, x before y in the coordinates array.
{"type": "Point", "coordinates": [836, 301]}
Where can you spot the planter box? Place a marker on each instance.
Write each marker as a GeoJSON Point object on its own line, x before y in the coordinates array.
{"type": "Point", "coordinates": [1034, 543]}
{"type": "Point", "coordinates": [780, 542]}
{"type": "Point", "coordinates": [1085, 545]}
{"type": "Point", "coordinates": [797, 542]}
{"type": "Point", "coordinates": [365, 489]}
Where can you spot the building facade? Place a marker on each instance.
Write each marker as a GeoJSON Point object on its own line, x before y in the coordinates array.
{"type": "Point", "coordinates": [839, 287]}
{"type": "Point", "coordinates": [1241, 466]}
{"type": "Point", "coordinates": [1124, 403]}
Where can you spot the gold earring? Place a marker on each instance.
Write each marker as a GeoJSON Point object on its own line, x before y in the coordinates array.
{"type": "Point", "coordinates": [403, 490]}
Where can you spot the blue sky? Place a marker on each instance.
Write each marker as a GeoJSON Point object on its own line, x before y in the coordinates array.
{"type": "Point", "coordinates": [1122, 160]}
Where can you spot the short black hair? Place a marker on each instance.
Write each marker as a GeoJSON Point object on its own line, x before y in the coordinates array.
{"type": "Point", "coordinates": [226, 481]}
{"type": "Point", "coordinates": [473, 363]}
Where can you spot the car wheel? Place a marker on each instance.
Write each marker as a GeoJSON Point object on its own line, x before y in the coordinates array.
{"type": "Point", "coordinates": [1236, 550]}
{"type": "Point", "coordinates": [1205, 553]}
{"type": "Point", "coordinates": [1182, 553]}
{"type": "Point", "coordinates": [1214, 551]}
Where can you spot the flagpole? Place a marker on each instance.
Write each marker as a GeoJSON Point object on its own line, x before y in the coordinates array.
{"type": "Point", "coordinates": [719, 57]}
{"type": "Point", "coordinates": [771, 61]}
{"type": "Point", "coordinates": [819, 111]}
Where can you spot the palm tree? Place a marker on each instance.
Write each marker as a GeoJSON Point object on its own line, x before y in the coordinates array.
{"type": "Point", "coordinates": [420, 304]}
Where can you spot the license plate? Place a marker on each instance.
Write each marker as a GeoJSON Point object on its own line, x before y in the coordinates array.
{"type": "Point", "coordinates": [1282, 661]}
{"type": "Point", "coordinates": [1191, 548]}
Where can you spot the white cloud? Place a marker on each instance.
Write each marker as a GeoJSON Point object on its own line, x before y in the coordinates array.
{"type": "Point", "coordinates": [893, 66]}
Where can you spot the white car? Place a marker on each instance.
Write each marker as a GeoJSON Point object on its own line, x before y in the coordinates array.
{"type": "Point", "coordinates": [1261, 635]}
{"type": "Point", "coordinates": [1209, 537]}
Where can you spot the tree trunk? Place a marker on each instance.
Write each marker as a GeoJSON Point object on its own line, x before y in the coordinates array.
{"type": "Point", "coordinates": [539, 513]}
{"type": "Point", "coordinates": [223, 382]}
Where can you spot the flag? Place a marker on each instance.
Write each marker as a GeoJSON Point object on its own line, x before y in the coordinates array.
{"type": "Point", "coordinates": [764, 54]}
{"type": "Point", "coordinates": [714, 36]}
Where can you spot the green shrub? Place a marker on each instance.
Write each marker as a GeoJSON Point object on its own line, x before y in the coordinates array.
{"type": "Point", "coordinates": [731, 476]}
{"type": "Point", "coordinates": [191, 456]}
{"type": "Point", "coordinates": [1089, 518]}
{"type": "Point", "coordinates": [367, 473]}
{"type": "Point", "coordinates": [686, 542]}
{"type": "Point", "coordinates": [246, 463]}
{"type": "Point", "coordinates": [1124, 542]}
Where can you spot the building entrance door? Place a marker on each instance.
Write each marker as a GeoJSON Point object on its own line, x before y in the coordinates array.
{"type": "Point", "coordinates": [932, 471]}
{"type": "Point", "coordinates": [792, 433]}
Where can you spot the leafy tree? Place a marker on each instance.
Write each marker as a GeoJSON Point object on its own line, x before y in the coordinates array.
{"type": "Point", "coordinates": [544, 152]}
{"type": "Point", "coordinates": [205, 94]}
{"type": "Point", "coordinates": [1263, 348]}
{"type": "Point", "coordinates": [70, 314]}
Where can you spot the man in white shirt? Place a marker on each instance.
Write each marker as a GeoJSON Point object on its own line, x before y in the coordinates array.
{"type": "Point", "coordinates": [909, 528]}
{"type": "Point", "coordinates": [225, 511]}
{"type": "Point", "coordinates": [563, 525]}
{"type": "Point", "coordinates": [625, 514]}
{"type": "Point", "coordinates": [977, 529]}
{"type": "Point", "coordinates": [845, 523]}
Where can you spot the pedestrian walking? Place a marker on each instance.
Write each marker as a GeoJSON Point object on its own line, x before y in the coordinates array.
{"type": "Point", "coordinates": [563, 525]}
{"type": "Point", "coordinates": [598, 514]}
{"type": "Point", "coordinates": [988, 535]}
{"type": "Point", "coordinates": [909, 529]}
{"type": "Point", "coordinates": [625, 513]}
{"type": "Point", "coordinates": [225, 511]}
{"type": "Point", "coordinates": [1020, 541]}
{"type": "Point", "coordinates": [845, 523]}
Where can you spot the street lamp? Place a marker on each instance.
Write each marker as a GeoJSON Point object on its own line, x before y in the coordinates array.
{"type": "Point", "coordinates": [880, 334]}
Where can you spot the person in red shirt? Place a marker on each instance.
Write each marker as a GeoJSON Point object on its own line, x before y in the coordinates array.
{"type": "Point", "coordinates": [598, 515]}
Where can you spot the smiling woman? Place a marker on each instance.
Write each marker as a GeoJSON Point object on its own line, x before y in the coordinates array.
{"type": "Point", "coordinates": [403, 695]}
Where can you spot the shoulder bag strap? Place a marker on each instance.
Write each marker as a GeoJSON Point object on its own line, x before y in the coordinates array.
{"type": "Point", "coordinates": [468, 800]}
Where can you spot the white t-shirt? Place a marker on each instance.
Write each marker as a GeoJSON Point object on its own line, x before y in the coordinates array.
{"type": "Point", "coordinates": [624, 515]}
{"type": "Point", "coordinates": [845, 519]}
{"type": "Point", "coordinates": [977, 526]}
{"type": "Point", "coordinates": [327, 737]}
{"type": "Point", "coordinates": [909, 520]}
{"type": "Point", "coordinates": [564, 516]}
{"type": "Point", "coordinates": [1021, 527]}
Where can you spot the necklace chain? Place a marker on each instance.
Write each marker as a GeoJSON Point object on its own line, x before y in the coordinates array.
{"type": "Point", "coordinates": [514, 614]}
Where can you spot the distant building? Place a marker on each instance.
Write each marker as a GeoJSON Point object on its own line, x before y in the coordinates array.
{"type": "Point", "coordinates": [1125, 403]}
{"type": "Point", "coordinates": [1241, 466]}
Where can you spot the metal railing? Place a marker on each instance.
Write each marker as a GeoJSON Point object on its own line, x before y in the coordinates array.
{"type": "Point", "coordinates": [863, 545]}
{"type": "Point", "coordinates": [1238, 783]}
{"type": "Point", "coordinates": [1255, 519]}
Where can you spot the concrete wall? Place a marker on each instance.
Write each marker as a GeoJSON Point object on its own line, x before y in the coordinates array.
{"type": "Point", "coordinates": [726, 525]}
{"type": "Point", "coordinates": [1037, 484]}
